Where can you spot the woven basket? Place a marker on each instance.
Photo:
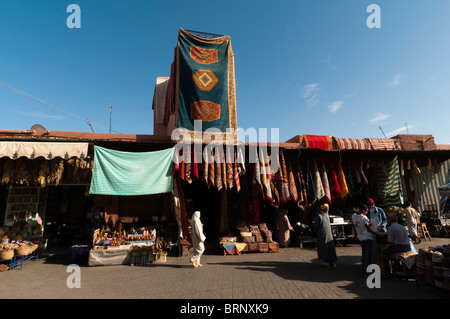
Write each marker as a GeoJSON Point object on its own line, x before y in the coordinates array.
{"type": "Point", "coordinates": [23, 251]}
{"type": "Point", "coordinates": [6, 254]}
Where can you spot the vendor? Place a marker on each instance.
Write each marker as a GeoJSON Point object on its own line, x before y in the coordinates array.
{"type": "Point", "coordinates": [398, 237]}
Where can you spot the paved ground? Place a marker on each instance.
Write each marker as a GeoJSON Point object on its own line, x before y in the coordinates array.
{"type": "Point", "coordinates": [291, 273]}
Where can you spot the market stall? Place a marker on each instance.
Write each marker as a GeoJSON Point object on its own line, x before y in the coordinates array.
{"type": "Point", "coordinates": [123, 246]}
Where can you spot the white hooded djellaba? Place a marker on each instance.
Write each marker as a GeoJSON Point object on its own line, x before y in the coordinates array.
{"type": "Point", "coordinates": [198, 239]}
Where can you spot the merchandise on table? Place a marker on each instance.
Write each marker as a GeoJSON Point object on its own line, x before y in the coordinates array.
{"type": "Point", "coordinates": [252, 238]}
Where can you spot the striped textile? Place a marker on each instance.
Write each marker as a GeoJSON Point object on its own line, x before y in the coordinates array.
{"type": "Point", "coordinates": [426, 186]}
{"type": "Point", "coordinates": [384, 143]}
{"type": "Point", "coordinates": [389, 185]}
{"type": "Point", "coordinates": [352, 144]}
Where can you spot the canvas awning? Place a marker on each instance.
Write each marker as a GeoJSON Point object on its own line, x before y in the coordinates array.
{"type": "Point", "coordinates": [444, 190]}
{"type": "Point", "coordinates": [48, 150]}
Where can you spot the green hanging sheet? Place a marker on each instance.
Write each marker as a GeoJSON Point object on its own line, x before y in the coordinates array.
{"type": "Point", "coordinates": [132, 173]}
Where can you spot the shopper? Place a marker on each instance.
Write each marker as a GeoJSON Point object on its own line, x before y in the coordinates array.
{"type": "Point", "coordinates": [377, 217]}
{"type": "Point", "coordinates": [363, 231]}
{"type": "Point", "coordinates": [198, 239]}
{"type": "Point", "coordinates": [412, 219]}
{"type": "Point", "coordinates": [284, 228]}
{"type": "Point", "coordinates": [325, 242]}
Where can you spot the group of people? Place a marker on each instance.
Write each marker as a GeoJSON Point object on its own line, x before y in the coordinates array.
{"type": "Point", "coordinates": [369, 221]}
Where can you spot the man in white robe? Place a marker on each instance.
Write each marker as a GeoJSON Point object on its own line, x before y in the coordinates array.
{"type": "Point", "coordinates": [198, 239]}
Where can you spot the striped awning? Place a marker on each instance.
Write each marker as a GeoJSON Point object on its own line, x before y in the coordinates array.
{"type": "Point", "coordinates": [426, 186]}
{"type": "Point", "coordinates": [49, 150]}
{"type": "Point", "coordinates": [444, 190]}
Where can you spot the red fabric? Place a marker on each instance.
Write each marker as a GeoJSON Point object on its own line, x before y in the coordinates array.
{"type": "Point", "coordinates": [318, 141]}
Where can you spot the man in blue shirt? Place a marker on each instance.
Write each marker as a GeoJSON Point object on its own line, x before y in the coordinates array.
{"type": "Point", "coordinates": [377, 217]}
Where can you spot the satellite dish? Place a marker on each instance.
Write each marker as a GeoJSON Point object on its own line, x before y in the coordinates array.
{"type": "Point", "coordinates": [38, 127]}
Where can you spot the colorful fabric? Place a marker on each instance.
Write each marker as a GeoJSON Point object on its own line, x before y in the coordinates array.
{"type": "Point", "coordinates": [285, 195]}
{"type": "Point", "coordinates": [342, 182]}
{"type": "Point", "coordinates": [292, 186]}
{"type": "Point", "coordinates": [389, 185]}
{"type": "Point", "coordinates": [205, 86]}
{"type": "Point", "coordinates": [237, 182]}
{"type": "Point", "coordinates": [335, 188]}
{"type": "Point", "coordinates": [302, 195]}
{"type": "Point", "coordinates": [325, 183]}
{"type": "Point", "coordinates": [318, 141]}
{"type": "Point", "coordinates": [320, 192]}
{"type": "Point", "coordinates": [352, 144]}
{"type": "Point", "coordinates": [188, 165]}
{"type": "Point", "coordinates": [384, 143]}
{"type": "Point", "coordinates": [126, 173]}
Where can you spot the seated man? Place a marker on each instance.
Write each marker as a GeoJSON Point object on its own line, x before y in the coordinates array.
{"type": "Point", "coordinates": [397, 237]}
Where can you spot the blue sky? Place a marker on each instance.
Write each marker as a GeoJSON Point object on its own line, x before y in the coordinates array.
{"type": "Point", "coordinates": [304, 66]}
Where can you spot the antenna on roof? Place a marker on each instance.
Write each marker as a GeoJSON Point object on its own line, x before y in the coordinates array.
{"type": "Point", "coordinates": [110, 115]}
{"type": "Point", "coordinates": [382, 131]}
{"type": "Point", "coordinates": [406, 124]}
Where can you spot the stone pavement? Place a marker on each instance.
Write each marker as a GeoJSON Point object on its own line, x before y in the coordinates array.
{"type": "Point", "coordinates": [292, 273]}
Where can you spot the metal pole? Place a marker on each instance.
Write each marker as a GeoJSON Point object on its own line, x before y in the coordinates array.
{"type": "Point", "coordinates": [110, 115]}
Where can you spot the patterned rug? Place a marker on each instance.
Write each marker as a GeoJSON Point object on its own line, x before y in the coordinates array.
{"type": "Point", "coordinates": [205, 82]}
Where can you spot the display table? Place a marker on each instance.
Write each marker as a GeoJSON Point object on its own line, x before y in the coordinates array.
{"type": "Point", "coordinates": [109, 257]}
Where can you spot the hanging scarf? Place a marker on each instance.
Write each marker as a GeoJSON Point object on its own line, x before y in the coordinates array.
{"type": "Point", "coordinates": [236, 174]}
{"type": "Point", "coordinates": [335, 188]}
{"type": "Point", "coordinates": [292, 187]}
{"type": "Point", "coordinates": [285, 197]}
{"type": "Point", "coordinates": [342, 182]}
{"type": "Point", "coordinates": [326, 185]}
{"type": "Point", "coordinates": [320, 192]}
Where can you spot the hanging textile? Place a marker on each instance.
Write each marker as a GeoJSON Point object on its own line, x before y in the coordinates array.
{"type": "Point", "coordinates": [237, 182]}
{"type": "Point", "coordinates": [310, 187]}
{"type": "Point", "coordinates": [224, 170]}
{"type": "Point", "coordinates": [318, 141]}
{"type": "Point", "coordinates": [195, 165]}
{"type": "Point", "coordinates": [335, 188]}
{"type": "Point", "coordinates": [349, 180]}
{"type": "Point", "coordinates": [341, 180]}
{"type": "Point", "coordinates": [230, 172]}
{"type": "Point", "coordinates": [126, 173]}
{"type": "Point", "coordinates": [320, 192]}
{"type": "Point", "coordinates": [325, 183]}
{"type": "Point", "coordinates": [302, 194]}
{"type": "Point", "coordinates": [292, 187]}
{"type": "Point", "coordinates": [188, 164]}
{"type": "Point", "coordinates": [388, 182]}
{"type": "Point", "coordinates": [264, 177]}
{"type": "Point", "coordinates": [205, 85]}
{"type": "Point", "coordinates": [206, 171]}
{"type": "Point", "coordinates": [217, 170]}
{"type": "Point", "coordinates": [285, 196]}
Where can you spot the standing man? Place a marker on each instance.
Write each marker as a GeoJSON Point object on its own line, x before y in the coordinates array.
{"type": "Point", "coordinates": [377, 217]}
{"type": "Point", "coordinates": [412, 219]}
{"type": "Point", "coordinates": [363, 232]}
{"type": "Point", "coordinates": [326, 251]}
{"type": "Point", "coordinates": [198, 239]}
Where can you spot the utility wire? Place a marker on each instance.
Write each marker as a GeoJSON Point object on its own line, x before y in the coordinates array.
{"type": "Point", "coordinates": [10, 87]}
